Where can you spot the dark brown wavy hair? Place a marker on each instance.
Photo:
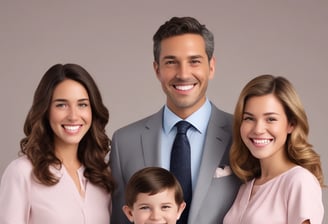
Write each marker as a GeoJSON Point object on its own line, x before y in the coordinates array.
{"type": "Point", "coordinates": [298, 149]}
{"type": "Point", "coordinates": [38, 145]}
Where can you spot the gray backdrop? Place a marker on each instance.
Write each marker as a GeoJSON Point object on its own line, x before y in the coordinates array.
{"type": "Point", "coordinates": [113, 41]}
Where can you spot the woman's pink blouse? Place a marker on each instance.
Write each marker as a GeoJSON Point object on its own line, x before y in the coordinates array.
{"type": "Point", "coordinates": [24, 201]}
{"type": "Point", "coordinates": [292, 197]}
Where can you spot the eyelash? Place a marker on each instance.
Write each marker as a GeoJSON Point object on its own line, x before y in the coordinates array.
{"type": "Point", "coordinates": [172, 62]}
{"type": "Point", "coordinates": [269, 119]}
{"type": "Point", "coordinates": [62, 105]}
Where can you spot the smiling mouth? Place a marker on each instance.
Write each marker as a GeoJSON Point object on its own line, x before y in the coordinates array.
{"type": "Point", "coordinates": [184, 87]}
{"type": "Point", "coordinates": [71, 128]}
{"type": "Point", "coordinates": [261, 141]}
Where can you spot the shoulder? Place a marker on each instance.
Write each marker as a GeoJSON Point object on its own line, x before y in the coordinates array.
{"type": "Point", "coordinates": [144, 123]}
{"type": "Point", "coordinates": [299, 174]}
{"type": "Point", "coordinates": [222, 118]}
{"type": "Point", "coordinates": [304, 195]}
{"type": "Point", "coordinates": [20, 168]}
{"type": "Point", "coordinates": [218, 112]}
{"type": "Point", "coordinates": [21, 163]}
{"type": "Point", "coordinates": [300, 181]}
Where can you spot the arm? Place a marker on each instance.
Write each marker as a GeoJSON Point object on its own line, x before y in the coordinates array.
{"type": "Point", "coordinates": [117, 215]}
{"type": "Point", "coordinates": [305, 199]}
{"type": "Point", "coordinates": [14, 194]}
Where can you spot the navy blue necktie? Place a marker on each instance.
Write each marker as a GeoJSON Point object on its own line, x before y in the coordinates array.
{"type": "Point", "coordinates": [180, 165]}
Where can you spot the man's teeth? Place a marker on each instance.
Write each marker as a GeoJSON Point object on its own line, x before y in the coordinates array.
{"type": "Point", "coordinates": [184, 87]}
{"type": "Point", "coordinates": [72, 128]}
{"type": "Point", "coordinates": [261, 141]}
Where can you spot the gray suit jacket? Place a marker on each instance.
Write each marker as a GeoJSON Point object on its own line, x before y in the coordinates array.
{"type": "Point", "coordinates": [137, 146]}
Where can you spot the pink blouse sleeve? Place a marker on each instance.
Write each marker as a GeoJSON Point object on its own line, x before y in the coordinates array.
{"type": "Point", "coordinates": [14, 193]}
{"type": "Point", "coordinates": [305, 199]}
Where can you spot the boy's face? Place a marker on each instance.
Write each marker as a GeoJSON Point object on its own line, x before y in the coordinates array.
{"type": "Point", "coordinates": [154, 209]}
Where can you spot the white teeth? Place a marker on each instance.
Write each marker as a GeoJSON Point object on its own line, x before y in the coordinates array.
{"type": "Point", "coordinates": [261, 141]}
{"type": "Point", "coordinates": [72, 128]}
{"type": "Point", "coordinates": [184, 87]}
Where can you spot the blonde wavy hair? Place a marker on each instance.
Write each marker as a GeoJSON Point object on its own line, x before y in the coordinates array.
{"type": "Point", "coordinates": [298, 149]}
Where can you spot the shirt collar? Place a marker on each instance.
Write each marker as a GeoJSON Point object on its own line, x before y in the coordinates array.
{"type": "Point", "coordinates": [199, 119]}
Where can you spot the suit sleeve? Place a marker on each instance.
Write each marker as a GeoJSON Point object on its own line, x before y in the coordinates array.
{"type": "Point", "coordinates": [117, 215]}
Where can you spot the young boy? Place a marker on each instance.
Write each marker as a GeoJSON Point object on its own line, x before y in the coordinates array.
{"type": "Point", "coordinates": [153, 194]}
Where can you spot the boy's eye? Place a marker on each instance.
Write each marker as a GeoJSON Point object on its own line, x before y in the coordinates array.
{"type": "Point", "coordinates": [165, 207]}
{"type": "Point", "coordinates": [144, 207]}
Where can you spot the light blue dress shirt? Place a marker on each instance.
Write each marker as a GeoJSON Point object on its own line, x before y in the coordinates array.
{"type": "Point", "coordinates": [196, 136]}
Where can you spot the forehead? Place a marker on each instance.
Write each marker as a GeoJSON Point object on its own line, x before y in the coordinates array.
{"type": "Point", "coordinates": [69, 88]}
{"type": "Point", "coordinates": [183, 45]}
{"type": "Point", "coordinates": [264, 104]}
{"type": "Point", "coordinates": [165, 196]}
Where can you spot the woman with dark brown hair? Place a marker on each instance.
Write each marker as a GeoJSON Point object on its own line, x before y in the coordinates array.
{"type": "Point", "coordinates": [61, 175]}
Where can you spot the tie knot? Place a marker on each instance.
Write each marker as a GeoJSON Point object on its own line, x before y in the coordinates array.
{"type": "Point", "coordinates": [182, 127]}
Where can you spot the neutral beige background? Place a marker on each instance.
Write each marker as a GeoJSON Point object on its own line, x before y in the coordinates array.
{"type": "Point", "coordinates": [113, 41]}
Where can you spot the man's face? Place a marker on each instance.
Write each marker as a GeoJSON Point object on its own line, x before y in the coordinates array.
{"type": "Point", "coordinates": [184, 71]}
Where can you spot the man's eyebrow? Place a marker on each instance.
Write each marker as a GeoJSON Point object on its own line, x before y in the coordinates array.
{"type": "Point", "coordinates": [195, 56]}
{"type": "Point", "coordinates": [190, 57]}
{"type": "Point", "coordinates": [169, 57]}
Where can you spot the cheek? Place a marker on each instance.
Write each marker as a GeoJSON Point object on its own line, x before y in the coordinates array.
{"type": "Point", "coordinates": [54, 117]}
{"type": "Point", "coordinates": [244, 130]}
{"type": "Point", "coordinates": [87, 115]}
{"type": "Point", "coordinates": [140, 217]}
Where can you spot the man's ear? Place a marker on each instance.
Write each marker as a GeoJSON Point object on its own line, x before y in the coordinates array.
{"type": "Point", "coordinates": [128, 212]}
{"type": "Point", "coordinates": [156, 68]}
{"type": "Point", "coordinates": [212, 67]}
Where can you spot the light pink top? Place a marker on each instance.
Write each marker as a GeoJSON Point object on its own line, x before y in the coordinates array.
{"type": "Point", "coordinates": [292, 197]}
{"type": "Point", "coordinates": [23, 201]}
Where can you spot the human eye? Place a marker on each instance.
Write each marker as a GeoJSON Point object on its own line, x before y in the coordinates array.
{"type": "Point", "coordinates": [194, 61]}
{"type": "Point", "coordinates": [166, 207]}
{"type": "Point", "coordinates": [144, 207]}
{"type": "Point", "coordinates": [248, 118]}
{"type": "Point", "coordinates": [61, 105]}
{"type": "Point", "coordinates": [170, 62]}
{"type": "Point", "coordinates": [82, 105]}
{"type": "Point", "coordinates": [271, 119]}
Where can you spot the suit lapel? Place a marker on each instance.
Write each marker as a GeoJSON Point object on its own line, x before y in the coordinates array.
{"type": "Point", "coordinates": [215, 143]}
{"type": "Point", "coordinates": [150, 139]}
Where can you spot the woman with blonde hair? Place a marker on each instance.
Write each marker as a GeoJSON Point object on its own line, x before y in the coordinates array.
{"type": "Point", "coordinates": [270, 152]}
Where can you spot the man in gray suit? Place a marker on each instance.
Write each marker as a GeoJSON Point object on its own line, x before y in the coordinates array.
{"type": "Point", "coordinates": [183, 63]}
